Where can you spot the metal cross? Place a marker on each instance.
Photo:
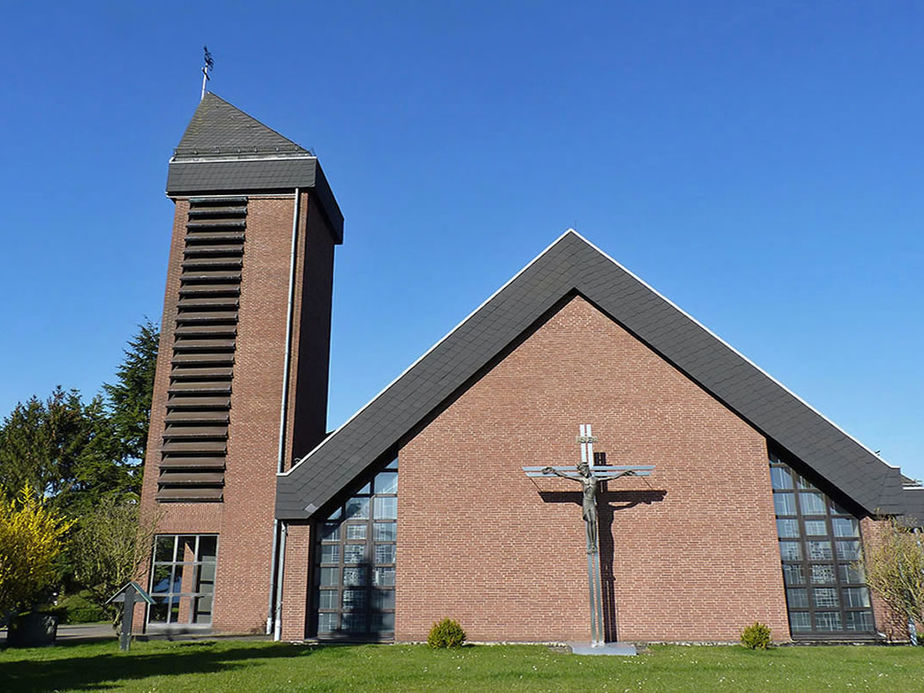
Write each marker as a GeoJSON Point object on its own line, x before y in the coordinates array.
{"type": "Point", "coordinates": [589, 474]}
{"type": "Point", "coordinates": [209, 65]}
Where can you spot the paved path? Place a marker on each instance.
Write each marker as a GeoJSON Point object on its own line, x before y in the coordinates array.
{"type": "Point", "coordinates": [85, 632]}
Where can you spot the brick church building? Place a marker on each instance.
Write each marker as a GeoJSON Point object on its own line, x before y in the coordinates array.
{"type": "Point", "coordinates": [417, 508]}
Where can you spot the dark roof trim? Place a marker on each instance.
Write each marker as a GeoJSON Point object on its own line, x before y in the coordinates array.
{"type": "Point", "coordinates": [571, 264]}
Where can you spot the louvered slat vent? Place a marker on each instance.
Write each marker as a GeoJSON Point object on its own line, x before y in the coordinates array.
{"type": "Point", "coordinates": [199, 396]}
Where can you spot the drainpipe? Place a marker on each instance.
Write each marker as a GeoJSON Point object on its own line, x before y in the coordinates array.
{"type": "Point", "coordinates": [277, 625]}
{"type": "Point", "coordinates": [279, 535]}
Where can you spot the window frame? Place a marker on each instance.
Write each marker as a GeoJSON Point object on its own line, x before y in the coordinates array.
{"type": "Point", "coordinates": [797, 509]}
{"type": "Point", "coordinates": [331, 601]}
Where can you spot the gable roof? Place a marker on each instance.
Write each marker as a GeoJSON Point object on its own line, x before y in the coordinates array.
{"type": "Point", "coordinates": [226, 151]}
{"type": "Point", "coordinates": [571, 264]}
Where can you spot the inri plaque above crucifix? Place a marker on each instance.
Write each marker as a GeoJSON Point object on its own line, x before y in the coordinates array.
{"type": "Point", "coordinates": [589, 475]}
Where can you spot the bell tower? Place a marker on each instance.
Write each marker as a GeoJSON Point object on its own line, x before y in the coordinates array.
{"type": "Point", "coordinates": [242, 372]}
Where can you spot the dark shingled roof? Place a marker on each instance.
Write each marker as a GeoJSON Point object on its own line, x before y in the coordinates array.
{"type": "Point", "coordinates": [218, 129]}
{"type": "Point", "coordinates": [225, 151]}
{"type": "Point", "coordinates": [570, 265]}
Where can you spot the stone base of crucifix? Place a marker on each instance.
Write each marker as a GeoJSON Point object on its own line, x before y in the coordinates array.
{"type": "Point", "coordinates": [590, 475]}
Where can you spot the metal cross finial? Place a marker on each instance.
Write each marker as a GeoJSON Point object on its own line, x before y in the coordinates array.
{"type": "Point", "coordinates": [209, 65]}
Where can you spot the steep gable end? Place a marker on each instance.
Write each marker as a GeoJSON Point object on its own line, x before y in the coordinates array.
{"type": "Point", "coordinates": [570, 265]}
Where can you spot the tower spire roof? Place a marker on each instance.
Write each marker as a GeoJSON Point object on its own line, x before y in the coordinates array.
{"type": "Point", "coordinates": [219, 130]}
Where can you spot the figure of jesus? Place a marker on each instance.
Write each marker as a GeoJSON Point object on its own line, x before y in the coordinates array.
{"type": "Point", "coordinates": [589, 503]}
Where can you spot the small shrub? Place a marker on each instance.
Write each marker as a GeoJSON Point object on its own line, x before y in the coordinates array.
{"type": "Point", "coordinates": [446, 633]}
{"type": "Point", "coordinates": [756, 636]}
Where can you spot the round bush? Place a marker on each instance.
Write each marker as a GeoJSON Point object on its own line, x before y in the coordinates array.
{"type": "Point", "coordinates": [446, 633]}
{"type": "Point", "coordinates": [756, 636]}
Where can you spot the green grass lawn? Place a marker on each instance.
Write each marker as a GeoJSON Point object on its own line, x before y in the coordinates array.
{"type": "Point", "coordinates": [262, 666]}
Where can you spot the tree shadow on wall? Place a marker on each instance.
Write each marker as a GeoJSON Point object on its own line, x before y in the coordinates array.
{"type": "Point", "coordinates": [608, 504]}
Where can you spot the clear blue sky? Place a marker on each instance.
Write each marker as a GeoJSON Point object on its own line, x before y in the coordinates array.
{"type": "Point", "coordinates": [758, 163]}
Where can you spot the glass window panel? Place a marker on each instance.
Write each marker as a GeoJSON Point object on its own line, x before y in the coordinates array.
{"type": "Point", "coordinates": [393, 464]}
{"type": "Point", "coordinates": [384, 553]}
{"type": "Point", "coordinates": [383, 599]}
{"type": "Point", "coordinates": [819, 550]}
{"type": "Point", "coordinates": [386, 482]}
{"type": "Point", "coordinates": [354, 599]}
{"type": "Point", "coordinates": [825, 597]}
{"type": "Point", "coordinates": [827, 620]}
{"type": "Point", "coordinates": [383, 622]}
{"type": "Point", "coordinates": [797, 598]}
{"type": "Point", "coordinates": [206, 573]}
{"type": "Point", "coordinates": [784, 503]}
{"type": "Point", "coordinates": [816, 528]}
{"type": "Point", "coordinates": [856, 596]}
{"type": "Point", "coordinates": [848, 550]}
{"type": "Point", "coordinates": [177, 578]}
{"type": "Point", "coordinates": [365, 490]}
{"type": "Point", "coordinates": [386, 508]}
{"type": "Point", "coordinates": [205, 580]}
{"type": "Point", "coordinates": [354, 621]}
{"type": "Point", "coordinates": [791, 550]}
{"type": "Point", "coordinates": [184, 584]}
{"type": "Point", "coordinates": [838, 510]}
{"type": "Point", "coordinates": [336, 514]}
{"type": "Point", "coordinates": [164, 548]}
{"type": "Point", "coordinates": [858, 620]}
{"type": "Point", "coordinates": [793, 574]}
{"type": "Point", "coordinates": [800, 621]}
{"type": "Point", "coordinates": [330, 576]}
{"type": "Point", "coordinates": [386, 531]}
{"type": "Point", "coordinates": [328, 599]}
{"type": "Point", "coordinates": [356, 532]}
{"type": "Point", "coordinates": [805, 483]}
{"type": "Point", "coordinates": [787, 528]}
{"type": "Point", "coordinates": [186, 549]}
{"type": "Point", "coordinates": [328, 622]}
{"type": "Point", "coordinates": [822, 574]}
{"type": "Point", "coordinates": [383, 577]}
{"type": "Point", "coordinates": [330, 553]}
{"type": "Point", "coordinates": [357, 509]}
{"type": "Point", "coordinates": [330, 531]}
{"type": "Point", "coordinates": [845, 527]}
{"type": "Point", "coordinates": [160, 578]}
{"type": "Point", "coordinates": [208, 549]}
{"type": "Point", "coordinates": [353, 577]}
{"type": "Point", "coordinates": [354, 553]}
{"type": "Point", "coordinates": [157, 613]}
{"type": "Point", "coordinates": [811, 503]}
{"type": "Point", "coordinates": [852, 573]}
{"type": "Point", "coordinates": [780, 477]}
{"type": "Point", "coordinates": [203, 612]}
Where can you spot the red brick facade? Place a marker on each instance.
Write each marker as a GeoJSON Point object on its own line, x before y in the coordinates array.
{"type": "Point", "coordinates": [244, 520]}
{"type": "Point", "coordinates": [692, 550]}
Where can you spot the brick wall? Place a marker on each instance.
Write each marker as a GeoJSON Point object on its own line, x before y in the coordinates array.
{"type": "Point", "coordinates": [244, 521]}
{"type": "Point", "coordinates": [690, 554]}
{"type": "Point", "coordinates": [295, 582]}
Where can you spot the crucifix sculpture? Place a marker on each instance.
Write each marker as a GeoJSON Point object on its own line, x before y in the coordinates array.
{"type": "Point", "coordinates": [589, 474]}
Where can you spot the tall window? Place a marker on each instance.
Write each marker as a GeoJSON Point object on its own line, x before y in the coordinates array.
{"type": "Point", "coordinates": [355, 565]}
{"type": "Point", "coordinates": [183, 579]}
{"type": "Point", "coordinates": [819, 548]}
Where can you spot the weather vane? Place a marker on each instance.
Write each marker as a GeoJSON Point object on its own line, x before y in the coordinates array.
{"type": "Point", "coordinates": [209, 65]}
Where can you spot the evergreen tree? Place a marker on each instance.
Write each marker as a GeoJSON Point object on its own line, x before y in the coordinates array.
{"type": "Point", "coordinates": [130, 396]}
{"type": "Point", "coordinates": [41, 443]}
